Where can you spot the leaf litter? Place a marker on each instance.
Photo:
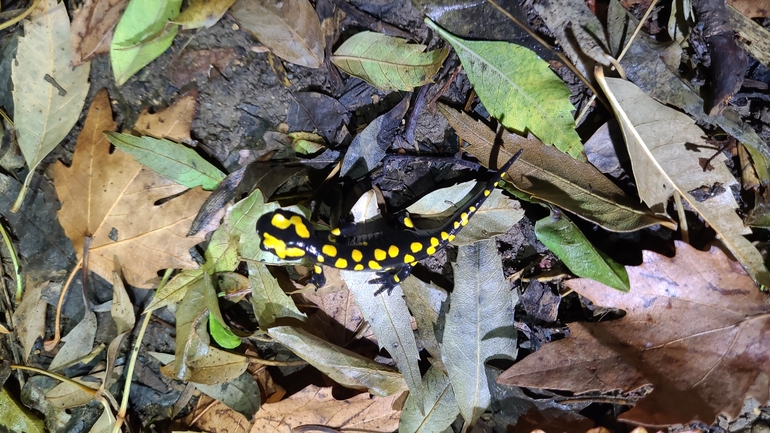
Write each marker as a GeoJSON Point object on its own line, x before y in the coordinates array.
{"type": "Point", "coordinates": [338, 331]}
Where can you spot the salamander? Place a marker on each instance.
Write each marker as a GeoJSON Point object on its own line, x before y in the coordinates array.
{"type": "Point", "coordinates": [289, 235]}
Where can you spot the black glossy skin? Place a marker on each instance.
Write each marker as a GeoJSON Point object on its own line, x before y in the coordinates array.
{"type": "Point", "coordinates": [290, 236]}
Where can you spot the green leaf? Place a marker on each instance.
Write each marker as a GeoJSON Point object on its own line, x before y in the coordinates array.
{"type": "Point", "coordinates": [269, 300]}
{"type": "Point", "coordinates": [479, 325]}
{"type": "Point", "coordinates": [519, 89]}
{"type": "Point", "coordinates": [222, 334]}
{"type": "Point", "coordinates": [142, 35]}
{"type": "Point", "coordinates": [388, 63]}
{"type": "Point", "coordinates": [202, 13]}
{"type": "Point", "coordinates": [48, 94]}
{"type": "Point", "coordinates": [345, 367]}
{"type": "Point", "coordinates": [14, 417]}
{"type": "Point", "coordinates": [172, 160]}
{"type": "Point", "coordinates": [569, 244]}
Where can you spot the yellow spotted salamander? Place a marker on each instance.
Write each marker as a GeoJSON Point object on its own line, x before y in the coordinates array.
{"type": "Point", "coordinates": [290, 236]}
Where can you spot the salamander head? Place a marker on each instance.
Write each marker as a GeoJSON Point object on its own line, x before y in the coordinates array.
{"type": "Point", "coordinates": [285, 234]}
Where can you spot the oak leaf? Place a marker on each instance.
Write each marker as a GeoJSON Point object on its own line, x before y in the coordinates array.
{"type": "Point", "coordinates": [696, 328]}
{"type": "Point", "coordinates": [173, 122]}
{"type": "Point", "coordinates": [112, 198]}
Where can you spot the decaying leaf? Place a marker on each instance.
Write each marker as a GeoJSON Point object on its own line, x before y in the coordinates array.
{"type": "Point", "coordinates": [314, 405]}
{"type": "Point", "coordinates": [29, 318]}
{"type": "Point", "coordinates": [173, 122]}
{"type": "Point", "coordinates": [202, 13]}
{"type": "Point", "coordinates": [16, 417]}
{"type": "Point", "coordinates": [48, 94]}
{"type": "Point", "coordinates": [519, 89]}
{"type": "Point", "coordinates": [77, 344]}
{"type": "Point", "coordinates": [111, 198]}
{"type": "Point", "coordinates": [92, 28]}
{"type": "Point", "coordinates": [142, 35]}
{"type": "Point", "coordinates": [751, 8]}
{"type": "Point", "coordinates": [479, 325]}
{"type": "Point", "coordinates": [556, 178]}
{"type": "Point", "coordinates": [290, 28]}
{"type": "Point", "coordinates": [696, 328]}
{"type": "Point", "coordinates": [665, 147]}
{"type": "Point", "coordinates": [388, 63]}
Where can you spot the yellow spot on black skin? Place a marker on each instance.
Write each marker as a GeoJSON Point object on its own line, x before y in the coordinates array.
{"type": "Point", "coordinates": [317, 269]}
{"type": "Point", "coordinates": [393, 251]}
{"type": "Point", "coordinates": [379, 254]}
{"type": "Point", "coordinates": [487, 192]}
{"type": "Point", "coordinates": [472, 208]}
{"type": "Point", "coordinates": [280, 221]}
{"type": "Point", "coordinates": [336, 232]}
{"type": "Point", "coordinates": [358, 267]}
{"type": "Point", "coordinates": [444, 235]}
{"type": "Point", "coordinates": [502, 175]}
{"type": "Point", "coordinates": [279, 247]}
{"type": "Point", "coordinates": [463, 218]}
{"type": "Point", "coordinates": [431, 251]}
{"type": "Point", "coordinates": [456, 225]}
{"type": "Point", "coordinates": [329, 250]}
{"type": "Point", "coordinates": [408, 222]}
{"type": "Point", "coordinates": [356, 255]}
{"type": "Point", "coordinates": [341, 263]}
{"type": "Point", "coordinates": [497, 183]}
{"type": "Point", "coordinates": [451, 238]}
{"type": "Point", "coordinates": [416, 247]}
{"type": "Point", "coordinates": [374, 265]}
{"type": "Point", "coordinates": [396, 279]}
{"type": "Point", "coordinates": [434, 242]}
{"type": "Point", "coordinates": [319, 258]}
{"type": "Point", "coordinates": [408, 258]}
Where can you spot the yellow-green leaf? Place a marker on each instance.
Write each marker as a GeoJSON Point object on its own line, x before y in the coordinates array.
{"type": "Point", "coordinates": [202, 13]}
{"type": "Point", "coordinates": [388, 63]}
{"type": "Point", "coordinates": [518, 88]}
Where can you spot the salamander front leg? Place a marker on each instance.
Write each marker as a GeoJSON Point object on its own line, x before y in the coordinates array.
{"type": "Point", "coordinates": [391, 278]}
{"type": "Point", "coordinates": [318, 278]}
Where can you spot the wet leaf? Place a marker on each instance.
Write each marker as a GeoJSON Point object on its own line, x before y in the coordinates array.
{"type": "Point", "coordinates": [171, 160]}
{"type": "Point", "coordinates": [290, 29]}
{"type": "Point", "coordinates": [317, 406]}
{"type": "Point", "coordinates": [29, 318]}
{"type": "Point", "coordinates": [564, 239]}
{"type": "Point", "coordinates": [440, 406]}
{"type": "Point", "coordinates": [111, 198]}
{"type": "Point", "coordinates": [241, 394]}
{"type": "Point", "coordinates": [388, 63]}
{"type": "Point", "coordinates": [142, 35]}
{"type": "Point", "coordinates": [77, 344]}
{"type": "Point", "coordinates": [192, 340]}
{"type": "Point", "coordinates": [347, 368]}
{"type": "Point", "coordinates": [551, 176]}
{"type": "Point", "coordinates": [389, 317]}
{"type": "Point", "coordinates": [202, 13]}
{"type": "Point", "coordinates": [16, 418]}
{"type": "Point", "coordinates": [665, 147]}
{"type": "Point", "coordinates": [173, 122]}
{"type": "Point", "coordinates": [48, 94]}
{"type": "Point", "coordinates": [519, 89]}
{"type": "Point", "coordinates": [316, 112]}
{"type": "Point", "coordinates": [695, 328]}
{"type": "Point", "coordinates": [92, 28]}
{"type": "Point", "coordinates": [479, 325]}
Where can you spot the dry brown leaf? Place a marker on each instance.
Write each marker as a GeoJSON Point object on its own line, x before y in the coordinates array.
{"type": "Point", "coordinates": [29, 318]}
{"type": "Point", "coordinates": [92, 27]}
{"type": "Point", "coordinates": [314, 405]}
{"type": "Point", "coordinates": [198, 65]}
{"type": "Point", "coordinates": [172, 122]}
{"type": "Point", "coordinates": [751, 8]}
{"type": "Point", "coordinates": [696, 328]}
{"type": "Point", "coordinates": [111, 197]}
{"type": "Point", "coordinates": [214, 416]}
{"type": "Point", "coordinates": [337, 316]}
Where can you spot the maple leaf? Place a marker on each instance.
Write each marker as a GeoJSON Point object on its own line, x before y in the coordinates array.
{"type": "Point", "coordinates": [696, 328]}
{"type": "Point", "coordinates": [111, 198]}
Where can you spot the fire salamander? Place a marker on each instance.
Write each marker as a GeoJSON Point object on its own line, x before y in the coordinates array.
{"type": "Point", "coordinates": [290, 236]}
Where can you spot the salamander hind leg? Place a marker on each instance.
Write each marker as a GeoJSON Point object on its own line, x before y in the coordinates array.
{"type": "Point", "coordinates": [318, 279]}
{"type": "Point", "coordinates": [391, 278]}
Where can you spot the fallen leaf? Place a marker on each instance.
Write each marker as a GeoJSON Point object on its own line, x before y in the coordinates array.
{"type": "Point", "coordinates": [77, 344]}
{"type": "Point", "coordinates": [440, 410]}
{"type": "Point", "coordinates": [550, 175]}
{"type": "Point", "coordinates": [111, 198]}
{"type": "Point", "coordinates": [751, 8]}
{"type": "Point", "coordinates": [270, 302]}
{"type": "Point", "coordinates": [519, 89]}
{"type": "Point", "coordinates": [142, 35]}
{"type": "Point", "coordinates": [29, 318]}
{"type": "Point", "coordinates": [48, 94]}
{"type": "Point", "coordinates": [17, 418]}
{"type": "Point", "coordinates": [317, 406]}
{"type": "Point", "coordinates": [198, 64]}
{"type": "Point", "coordinates": [695, 327]}
{"type": "Point", "coordinates": [478, 326]}
{"type": "Point", "coordinates": [214, 416]}
{"type": "Point", "coordinates": [92, 28]}
{"type": "Point", "coordinates": [202, 13]}
{"type": "Point", "coordinates": [388, 63]}
{"type": "Point", "coordinates": [173, 122]}
{"type": "Point", "coordinates": [665, 146]}
{"type": "Point", "coordinates": [316, 112]}
{"type": "Point", "coordinates": [336, 316]}
{"type": "Point", "coordinates": [290, 29]}
{"type": "Point", "coordinates": [240, 394]}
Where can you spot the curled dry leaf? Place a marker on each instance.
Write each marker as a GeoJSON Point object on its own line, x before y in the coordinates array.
{"type": "Point", "coordinates": [111, 198]}
{"type": "Point", "coordinates": [92, 27]}
{"type": "Point", "coordinates": [696, 328]}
